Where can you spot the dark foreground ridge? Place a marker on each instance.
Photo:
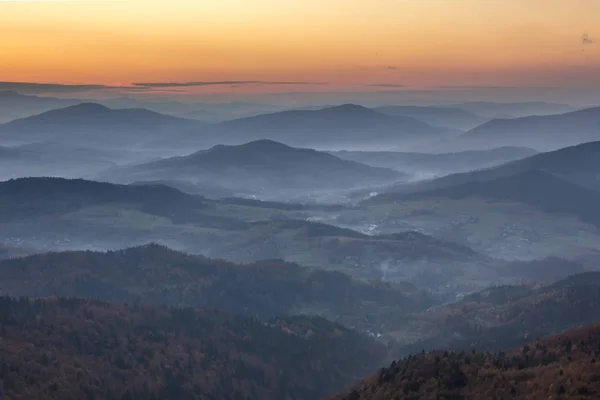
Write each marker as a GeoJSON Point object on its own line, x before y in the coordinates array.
{"type": "Point", "coordinates": [559, 367]}
{"type": "Point", "coordinates": [82, 349]}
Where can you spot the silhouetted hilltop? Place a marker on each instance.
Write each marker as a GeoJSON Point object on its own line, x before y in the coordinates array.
{"type": "Point", "coordinates": [578, 164]}
{"type": "Point", "coordinates": [536, 188]}
{"type": "Point", "coordinates": [258, 165]}
{"type": "Point", "coordinates": [91, 123]}
{"type": "Point", "coordinates": [28, 198]}
{"type": "Point", "coordinates": [506, 316]}
{"type": "Point", "coordinates": [14, 105]}
{"type": "Point", "coordinates": [443, 163]}
{"type": "Point", "coordinates": [448, 117]}
{"type": "Point", "coordinates": [513, 109]}
{"type": "Point", "coordinates": [346, 124]}
{"type": "Point", "coordinates": [547, 132]}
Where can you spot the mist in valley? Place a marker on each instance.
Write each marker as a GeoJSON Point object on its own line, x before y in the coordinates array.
{"type": "Point", "coordinates": [386, 219]}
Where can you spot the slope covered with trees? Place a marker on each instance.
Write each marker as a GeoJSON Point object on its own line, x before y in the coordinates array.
{"type": "Point", "coordinates": [81, 349]}
{"type": "Point", "coordinates": [154, 274]}
{"type": "Point", "coordinates": [560, 367]}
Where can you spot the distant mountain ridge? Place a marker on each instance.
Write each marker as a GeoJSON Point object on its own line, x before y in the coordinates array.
{"type": "Point", "coordinates": [347, 124]}
{"type": "Point", "coordinates": [578, 164]}
{"type": "Point", "coordinates": [92, 124]}
{"type": "Point", "coordinates": [14, 105]}
{"type": "Point", "coordinates": [549, 131]}
{"type": "Point", "coordinates": [536, 188]}
{"type": "Point", "coordinates": [442, 163]}
{"type": "Point", "coordinates": [260, 165]}
{"type": "Point", "coordinates": [449, 117]}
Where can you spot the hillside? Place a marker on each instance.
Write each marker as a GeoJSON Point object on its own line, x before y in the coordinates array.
{"type": "Point", "coordinates": [154, 274]}
{"type": "Point", "coordinates": [14, 105]}
{"type": "Point", "coordinates": [504, 316]}
{"type": "Point", "coordinates": [534, 188]}
{"type": "Point", "coordinates": [547, 132]}
{"type": "Point", "coordinates": [576, 164]}
{"type": "Point", "coordinates": [76, 349]}
{"type": "Point", "coordinates": [558, 367]}
{"type": "Point", "coordinates": [338, 126]}
{"type": "Point", "coordinates": [448, 117]}
{"type": "Point", "coordinates": [93, 124]}
{"type": "Point", "coordinates": [258, 167]}
{"type": "Point", "coordinates": [59, 214]}
{"type": "Point", "coordinates": [444, 163]}
{"type": "Point", "coordinates": [513, 109]}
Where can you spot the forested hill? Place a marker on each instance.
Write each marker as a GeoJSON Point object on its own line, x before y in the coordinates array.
{"type": "Point", "coordinates": [565, 366]}
{"type": "Point", "coordinates": [72, 349]}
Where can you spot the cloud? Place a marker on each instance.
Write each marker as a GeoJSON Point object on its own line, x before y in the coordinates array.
{"type": "Point", "coordinates": [32, 87]}
{"type": "Point", "coordinates": [217, 83]}
{"type": "Point", "coordinates": [379, 67]}
{"type": "Point", "coordinates": [586, 39]}
{"type": "Point", "coordinates": [385, 85]}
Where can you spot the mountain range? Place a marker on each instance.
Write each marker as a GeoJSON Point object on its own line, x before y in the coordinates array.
{"type": "Point", "coordinates": [443, 117]}
{"type": "Point", "coordinates": [92, 124]}
{"type": "Point", "coordinates": [439, 164]}
{"type": "Point", "coordinates": [258, 167]}
{"type": "Point", "coordinates": [547, 132]}
{"type": "Point", "coordinates": [347, 125]}
{"type": "Point", "coordinates": [14, 105]}
{"type": "Point", "coordinates": [576, 164]}
{"type": "Point", "coordinates": [55, 214]}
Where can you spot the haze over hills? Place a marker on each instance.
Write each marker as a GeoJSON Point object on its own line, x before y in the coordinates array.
{"type": "Point", "coordinates": [62, 160]}
{"type": "Point", "coordinates": [548, 132]}
{"type": "Point", "coordinates": [443, 117]}
{"type": "Point", "coordinates": [342, 126]}
{"type": "Point", "coordinates": [261, 166]}
{"type": "Point", "coordinates": [203, 111]}
{"type": "Point", "coordinates": [577, 164]}
{"type": "Point", "coordinates": [422, 164]}
{"type": "Point", "coordinates": [53, 214]}
{"type": "Point", "coordinates": [154, 274]}
{"type": "Point", "coordinates": [92, 124]}
{"type": "Point", "coordinates": [532, 187]}
{"type": "Point", "coordinates": [14, 105]}
{"type": "Point", "coordinates": [489, 109]}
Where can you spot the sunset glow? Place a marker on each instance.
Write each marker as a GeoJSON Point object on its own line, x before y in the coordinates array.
{"type": "Point", "coordinates": [419, 43]}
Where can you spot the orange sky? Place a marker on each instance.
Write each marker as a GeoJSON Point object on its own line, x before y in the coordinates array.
{"type": "Point", "coordinates": [345, 43]}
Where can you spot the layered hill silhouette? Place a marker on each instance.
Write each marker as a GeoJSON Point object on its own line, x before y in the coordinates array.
{"type": "Point", "coordinates": [14, 105]}
{"type": "Point", "coordinates": [260, 166]}
{"type": "Point", "coordinates": [533, 187]}
{"type": "Point", "coordinates": [449, 117]}
{"type": "Point", "coordinates": [154, 274]}
{"type": "Point", "coordinates": [544, 132]}
{"type": "Point", "coordinates": [94, 124]}
{"type": "Point", "coordinates": [513, 109]}
{"type": "Point", "coordinates": [443, 163]}
{"type": "Point", "coordinates": [339, 126]}
{"type": "Point", "coordinates": [62, 348]}
{"type": "Point", "coordinates": [54, 213]}
{"type": "Point", "coordinates": [559, 367]}
{"type": "Point", "coordinates": [506, 316]}
{"type": "Point", "coordinates": [578, 165]}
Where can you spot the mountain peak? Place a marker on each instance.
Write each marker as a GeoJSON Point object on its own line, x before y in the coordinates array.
{"type": "Point", "coordinates": [87, 108]}
{"type": "Point", "coordinates": [347, 108]}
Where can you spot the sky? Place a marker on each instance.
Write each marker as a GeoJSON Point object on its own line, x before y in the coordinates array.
{"type": "Point", "coordinates": [262, 46]}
